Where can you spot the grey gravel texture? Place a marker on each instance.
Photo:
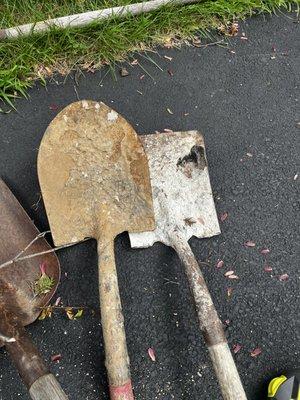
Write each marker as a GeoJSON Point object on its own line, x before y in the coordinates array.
{"type": "Point", "coordinates": [247, 105]}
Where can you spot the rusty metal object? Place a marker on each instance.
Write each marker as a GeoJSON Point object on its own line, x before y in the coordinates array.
{"type": "Point", "coordinates": [98, 186]}
{"type": "Point", "coordinates": [19, 306]}
{"type": "Point", "coordinates": [184, 207]}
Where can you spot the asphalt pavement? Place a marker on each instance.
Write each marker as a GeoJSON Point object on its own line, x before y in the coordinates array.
{"type": "Point", "coordinates": [244, 97]}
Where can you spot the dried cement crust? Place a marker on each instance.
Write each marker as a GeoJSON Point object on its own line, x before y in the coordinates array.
{"type": "Point", "coordinates": [93, 174]}
{"type": "Point", "coordinates": [181, 188]}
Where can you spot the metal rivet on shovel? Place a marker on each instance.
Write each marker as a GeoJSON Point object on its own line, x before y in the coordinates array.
{"type": "Point", "coordinates": [19, 304]}
{"type": "Point", "coordinates": [95, 183]}
{"type": "Point", "coordinates": [184, 207]}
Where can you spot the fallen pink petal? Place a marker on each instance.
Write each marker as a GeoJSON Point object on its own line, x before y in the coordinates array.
{"type": "Point", "coordinates": [233, 276]}
{"type": "Point", "coordinates": [268, 268]}
{"type": "Point", "coordinates": [43, 266]}
{"type": "Point", "coordinates": [224, 216]}
{"type": "Point", "coordinates": [265, 251]}
{"type": "Point", "coordinates": [220, 264]}
{"type": "Point", "coordinates": [53, 107]}
{"type": "Point", "coordinates": [249, 243]}
{"type": "Point", "coordinates": [236, 348]}
{"type": "Point", "coordinates": [151, 354]}
{"type": "Point", "coordinates": [284, 277]}
{"type": "Point", "coordinates": [55, 357]}
{"type": "Point", "coordinates": [228, 273]}
{"type": "Point", "coordinates": [256, 352]}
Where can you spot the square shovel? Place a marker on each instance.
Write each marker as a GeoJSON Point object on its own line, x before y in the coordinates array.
{"type": "Point", "coordinates": [184, 207]}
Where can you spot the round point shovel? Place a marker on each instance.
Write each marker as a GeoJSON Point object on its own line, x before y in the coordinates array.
{"type": "Point", "coordinates": [20, 305]}
{"type": "Point", "coordinates": [95, 183]}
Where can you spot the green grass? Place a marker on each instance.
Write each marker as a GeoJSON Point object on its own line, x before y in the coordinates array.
{"type": "Point", "coordinates": [26, 59]}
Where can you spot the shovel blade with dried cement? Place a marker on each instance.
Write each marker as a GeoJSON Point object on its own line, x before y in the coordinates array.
{"type": "Point", "coordinates": [184, 207]}
{"type": "Point", "coordinates": [20, 303]}
{"type": "Point", "coordinates": [95, 183]}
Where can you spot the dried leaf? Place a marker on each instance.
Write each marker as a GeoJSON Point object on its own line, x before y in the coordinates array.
{"type": "Point", "coordinates": [256, 352]}
{"type": "Point", "coordinates": [284, 277]}
{"type": "Point", "coordinates": [69, 312]}
{"type": "Point", "coordinates": [220, 264]}
{"type": "Point", "coordinates": [46, 313]}
{"type": "Point", "coordinates": [124, 72]}
{"type": "Point", "coordinates": [134, 62]}
{"type": "Point", "coordinates": [224, 216]}
{"type": "Point", "coordinates": [151, 354]}
{"type": "Point", "coordinates": [228, 273]}
{"type": "Point", "coordinates": [78, 314]}
{"type": "Point", "coordinates": [249, 243]}
{"type": "Point", "coordinates": [236, 348]}
{"type": "Point", "coordinates": [265, 251]}
{"type": "Point", "coordinates": [55, 357]}
{"type": "Point", "coordinates": [170, 111]}
{"type": "Point", "coordinates": [229, 30]}
{"type": "Point", "coordinates": [268, 268]}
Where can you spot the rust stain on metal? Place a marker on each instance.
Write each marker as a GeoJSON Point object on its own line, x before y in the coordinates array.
{"type": "Point", "coordinates": [99, 174]}
{"type": "Point", "coordinates": [17, 299]}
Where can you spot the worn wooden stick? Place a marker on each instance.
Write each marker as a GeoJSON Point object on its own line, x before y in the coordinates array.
{"type": "Point", "coordinates": [210, 324]}
{"type": "Point", "coordinates": [83, 19]}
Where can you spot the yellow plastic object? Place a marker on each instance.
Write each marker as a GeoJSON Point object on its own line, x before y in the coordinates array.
{"type": "Point", "coordinates": [275, 384]}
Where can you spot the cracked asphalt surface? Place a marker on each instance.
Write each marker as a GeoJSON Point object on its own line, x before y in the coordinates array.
{"type": "Point", "coordinates": [247, 105]}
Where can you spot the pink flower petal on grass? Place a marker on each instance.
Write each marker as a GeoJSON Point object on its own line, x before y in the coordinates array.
{"type": "Point", "coordinates": [220, 264]}
{"type": "Point", "coordinates": [151, 354]}
{"type": "Point", "coordinates": [256, 352]}
{"type": "Point", "coordinates": [268, 268]}
{"type": "Point", "coordinates": [283, 277]}
{"type": "Point", "coordinates": [236, 348]}
{"type": "Point", "coordinates": [249, 243]}
{"type": "Point", "coordinates": [228, 273]}
{"type": "Point", "coordinates": [265, 251]}
{"type": "Point", "coordinates": [223, 216]}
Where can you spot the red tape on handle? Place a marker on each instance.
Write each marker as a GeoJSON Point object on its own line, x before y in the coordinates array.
{"type": "Point", "coordinates": [123, 392]}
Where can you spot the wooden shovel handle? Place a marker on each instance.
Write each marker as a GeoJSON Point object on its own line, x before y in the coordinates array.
{"type": "Point", "coordinates": [116, 354]}
{"type": "Point", "coordinates": [210, 324]}
{"type": "Point", "coordinates": [41, 384]}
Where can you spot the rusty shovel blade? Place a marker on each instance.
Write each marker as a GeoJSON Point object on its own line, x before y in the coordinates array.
{"type": "Point", "coordinates": [17, 279]}
{"type": "Point", "coordinates": [20, 303]}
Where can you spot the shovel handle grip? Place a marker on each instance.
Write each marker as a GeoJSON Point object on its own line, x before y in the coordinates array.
{"type": "Point", "coordinates": [116, 354]}
{"type": "Point", "coordinates": [210, 324]}
{"type": "Point", "coordinates": [41, 384]}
